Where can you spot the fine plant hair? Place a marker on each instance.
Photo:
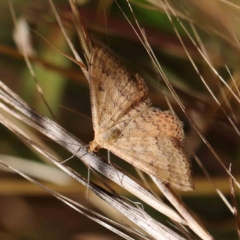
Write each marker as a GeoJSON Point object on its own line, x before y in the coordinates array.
{"type": "Point", "coordinates": [184, 224]}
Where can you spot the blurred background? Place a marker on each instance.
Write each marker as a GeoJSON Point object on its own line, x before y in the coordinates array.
{"type": "Point", "coordinates": [28, 212]}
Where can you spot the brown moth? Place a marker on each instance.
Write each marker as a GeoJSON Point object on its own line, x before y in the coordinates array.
{"type": "Point", "coordinates": [126, 124]}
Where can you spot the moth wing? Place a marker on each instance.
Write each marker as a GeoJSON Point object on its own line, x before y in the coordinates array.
{"type": "Point", "coordinates": [153, 142]}
{"type": "Point", "coordinates": [114, 91]}
{"type": "Point", "coordinates": [161, 157]}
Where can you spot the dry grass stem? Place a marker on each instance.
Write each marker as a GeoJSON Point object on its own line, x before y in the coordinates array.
{"type": "Point", "coordinates": [66, 140]}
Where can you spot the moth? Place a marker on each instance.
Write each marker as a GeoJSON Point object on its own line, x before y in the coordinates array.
{"type": "Point", "coordinates": [126, 124]}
